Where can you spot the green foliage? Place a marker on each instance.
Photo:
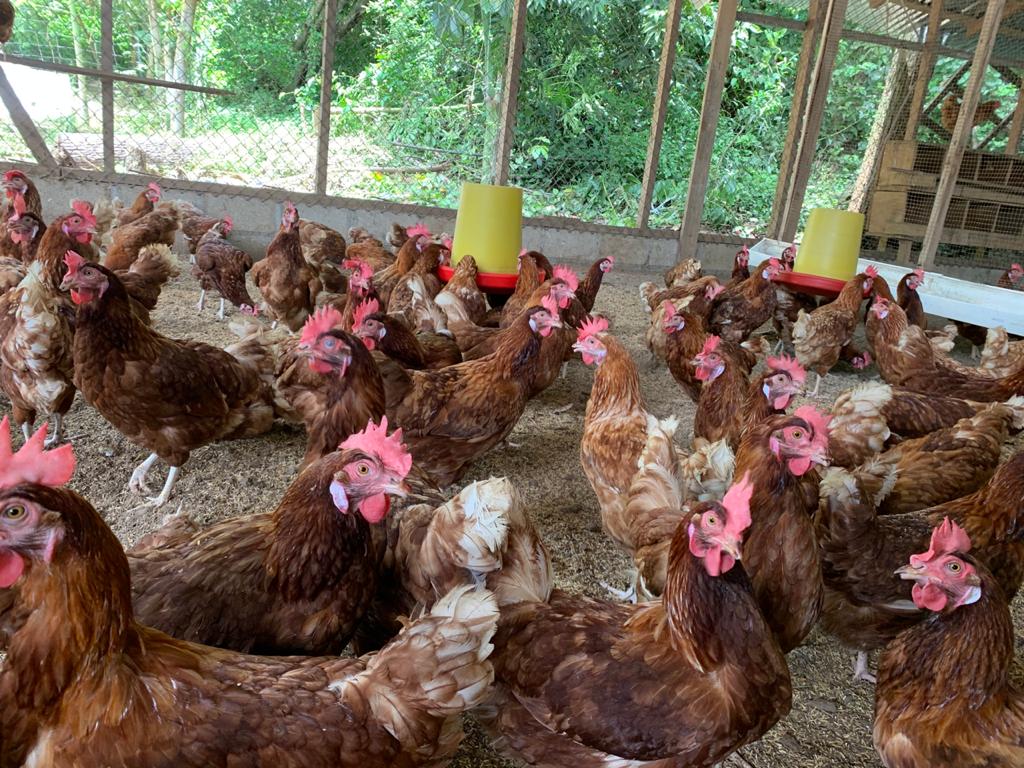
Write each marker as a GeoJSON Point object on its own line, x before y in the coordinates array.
{"type": "Point", "coordinates": [417, 87]}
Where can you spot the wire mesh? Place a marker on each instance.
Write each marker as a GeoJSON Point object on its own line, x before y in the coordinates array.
{"type": "Point", "coordinates": [581, 131]}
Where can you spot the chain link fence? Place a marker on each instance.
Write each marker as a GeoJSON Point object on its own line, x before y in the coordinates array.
{"type": "Point", "coordinates": [416, 97]}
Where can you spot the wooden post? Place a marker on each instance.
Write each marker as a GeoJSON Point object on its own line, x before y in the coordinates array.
{"type": "Point", "coordinates": [29, 133]}
{"type": "Point", "coordinates": [962, 132]}
{"type": "Point", "coordinates": [1017, 125]}
{"type": "Point", "coordinates": [510, 94]}
{"type": "Point", "coordinates": [323, 121]}
{"type": "Point", "coordinates": [790, 215]}
{"type": "Point", "coordinates": [107, 85]}
{"type": "Point", "coordinates": [718, 64]}
{"type": "Point", "coordinates": [925, 67]}
{"type": "Point", "coordinates": [661, 97]}
{"type": "Point", "coordinates": [801, 90]}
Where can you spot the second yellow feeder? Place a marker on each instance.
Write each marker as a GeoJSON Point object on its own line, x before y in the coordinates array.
{"type": "Point", "coordinates": [831, 244]}
{"type": "Point", "coordinates": [489, 225]}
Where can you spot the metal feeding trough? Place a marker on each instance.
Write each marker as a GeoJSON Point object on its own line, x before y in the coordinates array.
{"type": "Point", "coordinates": [984, 305]}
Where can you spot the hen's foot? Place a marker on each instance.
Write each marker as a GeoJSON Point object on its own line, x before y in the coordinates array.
{"type": "Point", "coordinates": [564, 408]}
{"type": "Point", "coordinates": [137, 482]}
{"type": "Point", "coordinates": [860, 668]}
{"type": "Point", "coordinates": [202, 302]}
{"type": "Point", "coordinates": [220, 312]}
{"type": "Point", "coordinates": [57, 436]}
{"type": "Point", "coordinates": [625, 595]}
{"type": "Point", "coordinates": [158, 501]}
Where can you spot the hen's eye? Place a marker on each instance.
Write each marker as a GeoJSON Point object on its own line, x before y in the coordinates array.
{"type": "Point", "coordinates": [712, 520]}
{"type": "Point", "coordinates": [363, 469]}
{"type": "Point", "coordinates": [797, 434]}
{"type": "Point", "coordinates": [954, 567]}
{"type": "Point", "coordinates": [16, 512]}
{"type": "Point", "coordinates": [329, 342]}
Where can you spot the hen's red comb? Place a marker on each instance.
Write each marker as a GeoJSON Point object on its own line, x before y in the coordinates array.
{"type": "Point", "coordinates": [789, 365]}
{"type": "Point", "coordinates": [818, 422]}
{"type": "Point", "coordinates": [358, 265]}
{"type": "Point", "coordinates": [154, 187]}
{"type": "Point", "coordinates": [375, 441]}
{"type": "Point", "coordinates": [710, 345]}
{"type": "Point", "coordinates": [550, 305]}
{"type": "Point", "coordinates": [84, 209]}
{"type": "Point", "coordinates": [228, 220]}
{"type": "Point", "coordinates": [447, 243]}
{"type": "Point", "coordinates": [947, 538]}
{"type": "Point", "coordinates": [880, 301]}
{"type": "Point", "coordinates": [871, 271]}
{"type": "Point", "coordinates": [366, 307]}
{"type": "Point", "coordinates": [919, 273]}
{"type": "Point", "coordinates": [610, 259]}
{"type": "Point", "coordinates": [1016, 268]}
{"type": "Point", "coordinates": [33, 463]}
{"type": "Point", "coordinates": [523, 252]}
{"type": "Point", "coordinates": [416, 230]}
{"type": "Point", "coordinates": [591, 326]}
{"type": "Point", "coordinates": [319, 323]}
{"type": "Point", "coordinates": [73, 260]}
{"type": "Point", "coordinates": [14, 173]}
{"type": "Point", "coordinates": [567, 276]}
{"type": "Point", "coordinates": [737, 504]}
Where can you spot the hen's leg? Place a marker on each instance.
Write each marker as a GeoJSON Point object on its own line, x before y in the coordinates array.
{"type": "Point", "coordinates": [202, 300]}
{"type": "Point", "coordinates": [137, 482]}
{"type": "Point", "coordinates": [860, 668]}
{"type": "Point", "coordinates": [779, 346]}
{"type": "Point", "coordinates": [25, 431]}
{"type": "Point", "coordinates": [626, 595]}
{"type": "Point", "coordinates": [165, 494]}
{"type": "Point", "coordinates": [58, 431]}
{"type": "Point", "coordinates": [817, 384]}
{"type": "Point", "coordinates": [220, 312]}
{"type": "Point", "coordinates": [191, 258]}
{"type": "Point", "coordinates": [975, 353]}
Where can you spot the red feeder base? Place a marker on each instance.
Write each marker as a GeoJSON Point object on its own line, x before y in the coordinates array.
{"type": "Point", "coordinates": [813, 284]}
{"type": "Point", "coordinates": [489, 282]}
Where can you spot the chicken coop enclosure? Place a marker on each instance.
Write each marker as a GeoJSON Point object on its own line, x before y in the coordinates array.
{"type": "Point", "coordinates": [726, 120]}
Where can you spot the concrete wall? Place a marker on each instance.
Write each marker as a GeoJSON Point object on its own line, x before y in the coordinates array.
{"type": "Point", "coordinates": [257, 216]}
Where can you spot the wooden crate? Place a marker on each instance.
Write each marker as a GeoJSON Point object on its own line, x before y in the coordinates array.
{"type": "Point", "coordinates": [987, 208]}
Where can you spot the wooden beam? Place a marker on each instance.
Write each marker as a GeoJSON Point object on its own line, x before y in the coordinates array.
{"type": "Point", "coordinates": [925, 67]}
{"type": "Point", "coordinates": [797, 110]}
{"type": "Point", "coordinates": [821, 81]}
{"type": "Point", "coordinates": [764, 20]}
{"type": "Point", "coordinates": [510, 94]}
{"type": "Point", "coordinates": [107, 86]}
{"type": "Point", "coordinates": [962, 133]}
{"type": "Point", "coordinates": [949, 85]}
{"type": "Point", "coordinates": [29, 133]}
{"type": "Point", "coordinates": [1017, 124]}
{"type": "Point", "coordinates": [53, 66]}
{"type": "Point", "coordinates": [1000, 126]}
{"type": "Point", "coordinates": [323, 121]}
{"type": "Point", "coordinates": [718, 65]}
{"type": "Point", "coordinates": [661, 96]}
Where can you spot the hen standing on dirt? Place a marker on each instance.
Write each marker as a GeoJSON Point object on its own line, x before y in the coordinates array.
{"type": "Point", "coordinates": [288, 285]}
{"type": "Point", "coordinates": [167, 395]}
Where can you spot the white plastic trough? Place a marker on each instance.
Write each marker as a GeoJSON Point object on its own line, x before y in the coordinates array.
{"type": "Point", "coordinates": [984, 305]}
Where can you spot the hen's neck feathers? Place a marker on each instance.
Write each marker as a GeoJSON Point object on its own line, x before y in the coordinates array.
{"type": "Point", "coordinates": [517, 350]}
{"type": "Point", "coordinates": [401, 343]}
{"type": "Point", "coordinates": [616, 388]}
{"type": "Point", "coordinates": [53, 246]}
{"type": "Point", "coordinates": [286, 245]}
{"type": "Point", "coordinates": [590, 285]}
{"type": "Point", "coordinates": [851, 296]}
{"type": "Point", "coordinates": [310, 537]}
{"type": "Point", "coordinates": [953, 660]}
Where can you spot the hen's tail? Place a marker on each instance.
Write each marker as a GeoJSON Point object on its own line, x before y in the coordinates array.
{"type": "Point", "coordinates": [255, 353]}
{"type": "Point", "coordinates": [148, 274]}
{"type": "Point", "coordinates": [437, 667]}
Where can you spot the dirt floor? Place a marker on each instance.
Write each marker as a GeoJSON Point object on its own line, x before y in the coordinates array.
{"type": "Point", "coordinates": [830, 724]}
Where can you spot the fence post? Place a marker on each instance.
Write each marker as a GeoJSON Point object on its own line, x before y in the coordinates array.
{"type": "Point", "coordinates": [718, 64]}
{"type": "Point", "coordinates": [661, 97]}
{"type": "Point", "coordinates": [925, 66]}
{"type": "Point", "coordinates": [323, 132]}
{"type": "Point", "coordinates": [801, 92]}
{"type": "Point", "coordinates": [107, 85]}
{"type": "Point", "coordinates": [510, 94]}
{"type": "Point", "coordinates": [962, 132]}
{"type": "Point", "coordinates": [790, 212]}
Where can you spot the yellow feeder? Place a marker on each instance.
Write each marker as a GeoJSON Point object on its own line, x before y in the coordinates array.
{"type": "Point", "coordinates": [489, 226]}
{"type": "Point", "coordinates": [831, 244]}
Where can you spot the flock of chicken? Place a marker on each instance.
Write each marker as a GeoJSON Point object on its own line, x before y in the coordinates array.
{"type": "Point", "coordinates": [890, 519]}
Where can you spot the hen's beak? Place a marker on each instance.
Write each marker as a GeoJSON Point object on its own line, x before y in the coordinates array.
{"type": "Point", "coordinates": [400, 489]}
{"type": "Point", "coordinates": [733, 549]}
{"type": "Point", "coordinates": [909, 572]}
{"type": "Point", "coordinates": [820, 457]}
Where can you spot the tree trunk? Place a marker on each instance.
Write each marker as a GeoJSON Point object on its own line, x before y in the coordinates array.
{"type": "Point", "coordinates": [179, 69]}
{"type": "Point", "coordinates": [78, 39]}
{"type": "Point", "coordinates": [313, 22]}
{"type": "Point", "coordinates": [154, 54]}
{"type": "Point", "coordinates": [890, 115]}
